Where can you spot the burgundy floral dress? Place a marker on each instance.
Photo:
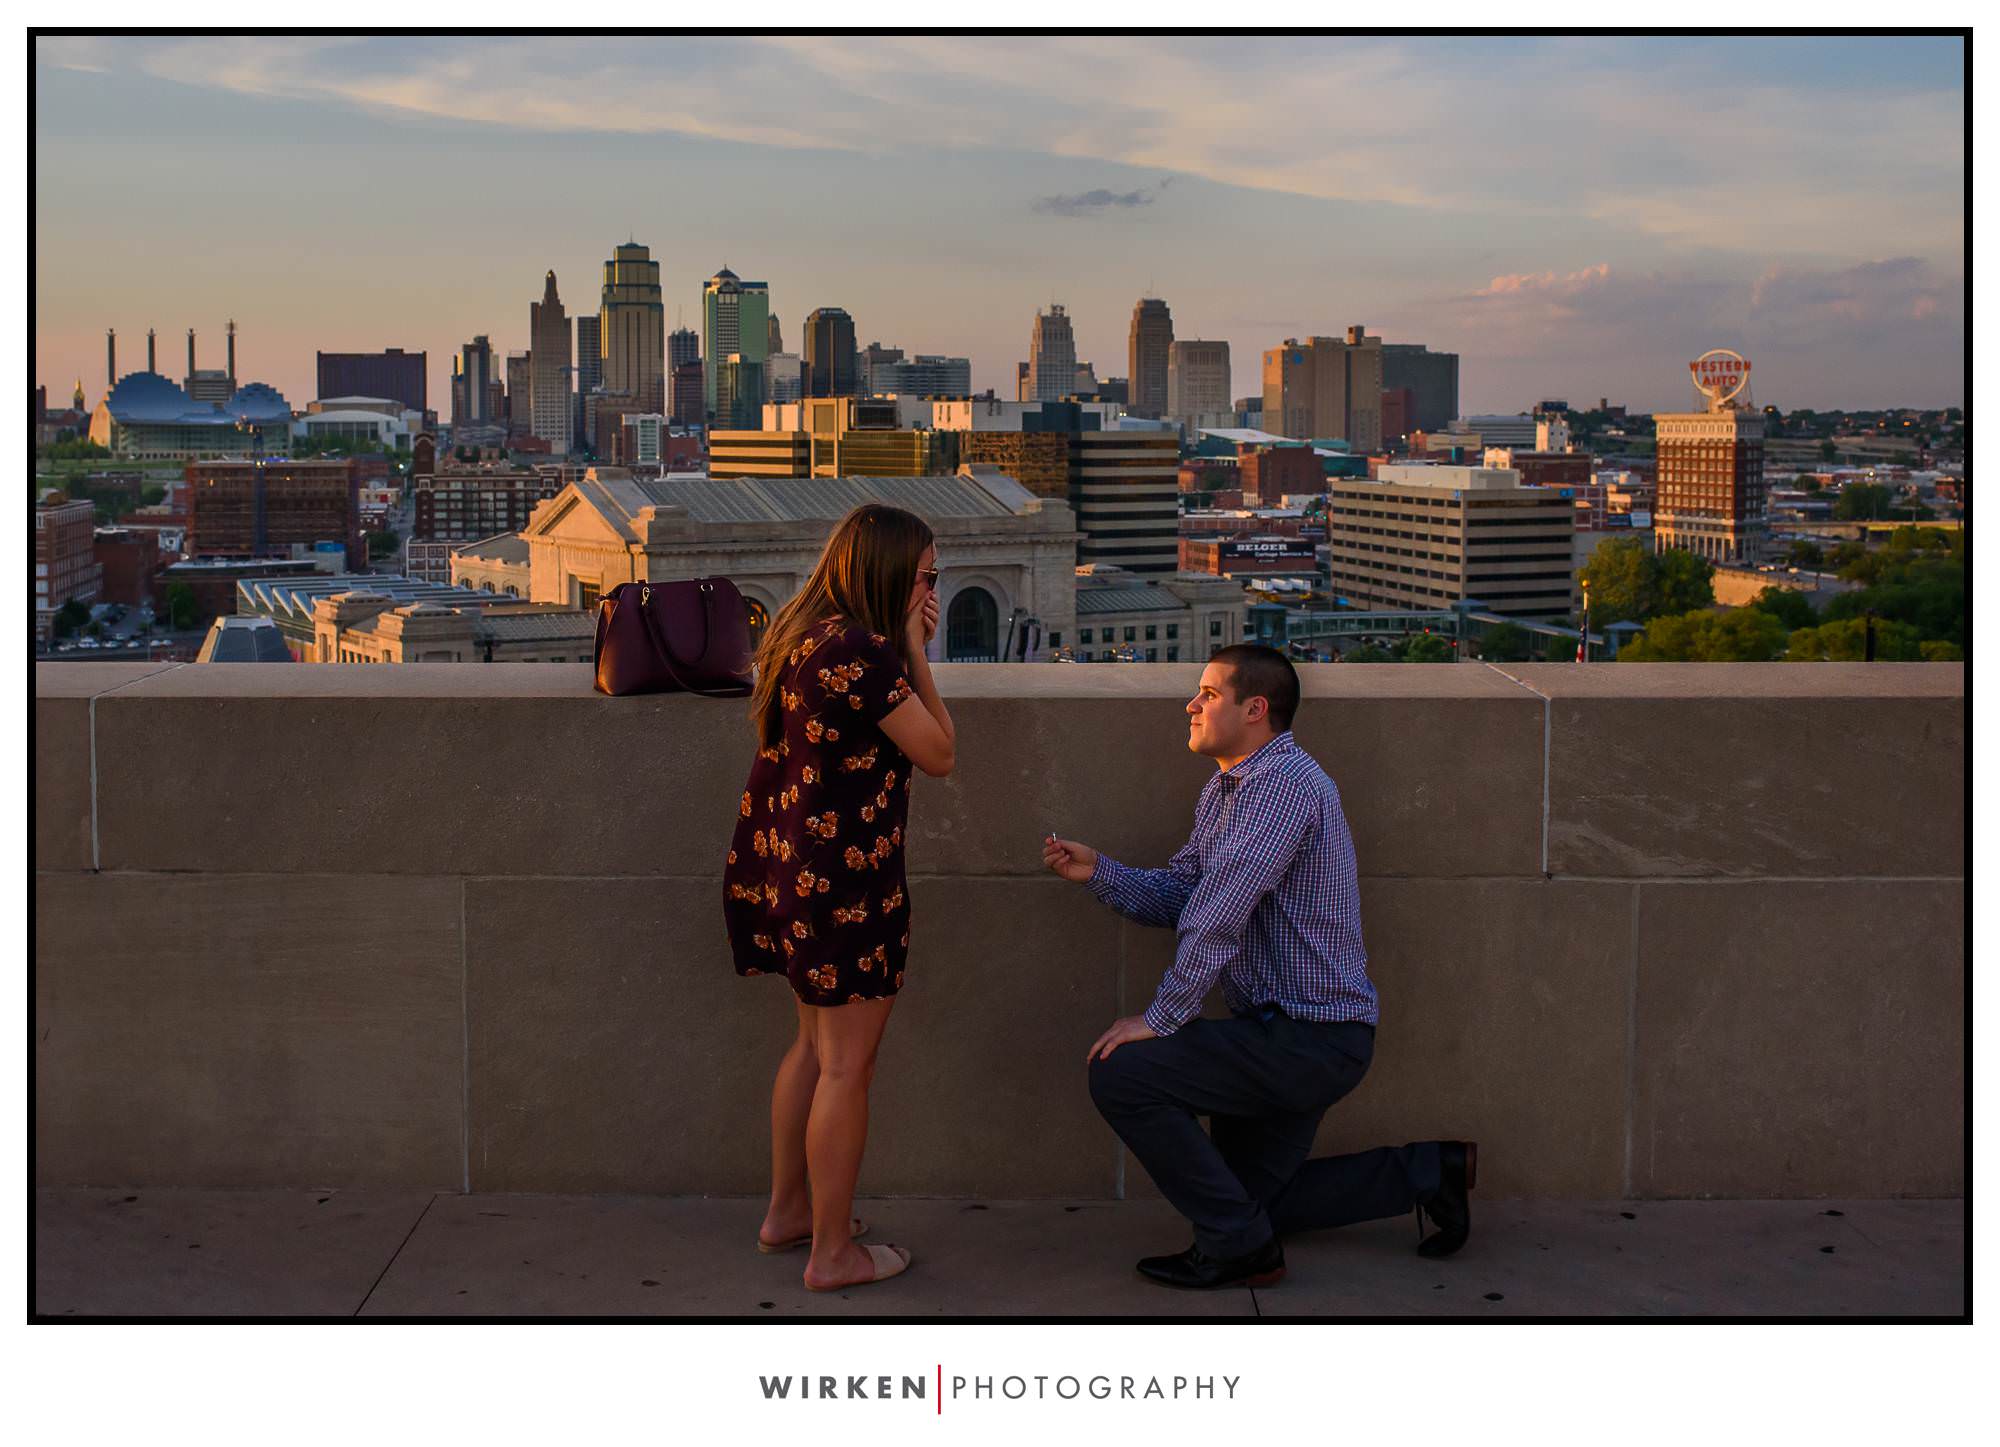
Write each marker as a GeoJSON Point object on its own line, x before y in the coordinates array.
{"type": "Point", "coordinates": [814, 887]}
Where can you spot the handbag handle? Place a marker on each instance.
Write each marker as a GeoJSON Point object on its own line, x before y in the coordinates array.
{"type": "Point", "coordinates": [665, 650]}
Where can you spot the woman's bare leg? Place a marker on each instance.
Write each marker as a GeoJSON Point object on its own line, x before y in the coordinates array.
{"type": "Point", "coordinates": [790, 1214]}
{"type": "Point", "coordinates": [845, 1040]}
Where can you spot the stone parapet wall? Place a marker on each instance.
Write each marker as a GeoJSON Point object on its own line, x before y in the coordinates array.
{"type": "Point", "coordinates": [1642, 930]}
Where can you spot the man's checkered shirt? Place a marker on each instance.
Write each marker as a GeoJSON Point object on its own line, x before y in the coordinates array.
{"type": "Point", "coordinates": [1263, 893]}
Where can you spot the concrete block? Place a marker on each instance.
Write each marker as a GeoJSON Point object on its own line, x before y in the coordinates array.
{"type": "Point", "coordinates": [501, 768]}
{"type": "Point", "coordinates": [1445, 783]}
{"type": "Point", "coordinates": [1504, 1006]}
{"type": "Point", "coordinates": [1800, 1039]}
{"type": "Point", "coordinates": [62, 783]}
{"type": "Point", "coordinates": [1755, 769]}
{"type": "Point", "coordinates": [638, 1256]}
{"type": "Point", "coordinates": [106, 1251]}
{"type": "Point", "coordinates": [247, 1031]}
{"type": "Point", "coordinates": [63, 692]}
{"type": "Point", "coordinates": [614, 1048]}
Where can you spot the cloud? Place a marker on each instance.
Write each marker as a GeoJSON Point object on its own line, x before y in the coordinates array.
{"type": "Point", "coordinates": [1816, 164]}
{"type": "Point", "coordinates": [1547, 283]}
{"type": "Point", "coordinates": [1874, 333]}
{"type": "Point", "coordinates": [1093, 203]}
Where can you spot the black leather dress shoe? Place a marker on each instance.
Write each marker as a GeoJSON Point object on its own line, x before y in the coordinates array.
{"type": "Point", "coordinates": [1191, 1270]}
{"type": "Point", "coordinates": [1450, 1207]}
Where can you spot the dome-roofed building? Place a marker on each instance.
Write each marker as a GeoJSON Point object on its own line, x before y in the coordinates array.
{"type": "Point", "coordinates": [146, 416]}
{"type": "Point", "coordinates": [258, 404]}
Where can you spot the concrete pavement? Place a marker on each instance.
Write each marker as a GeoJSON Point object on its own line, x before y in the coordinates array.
{"type": "Point", "coordinates": [409, 1253]}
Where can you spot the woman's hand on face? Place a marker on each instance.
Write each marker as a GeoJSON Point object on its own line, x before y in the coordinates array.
{"type": "Point", "coordinates": [923, 623]}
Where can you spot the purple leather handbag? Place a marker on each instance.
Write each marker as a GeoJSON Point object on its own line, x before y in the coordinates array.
{"type": "Point", "coordinates": [689, 636]}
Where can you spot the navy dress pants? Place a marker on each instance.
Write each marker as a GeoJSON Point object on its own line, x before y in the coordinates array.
{"type": "Point", "coordinates": [1264, 1080]}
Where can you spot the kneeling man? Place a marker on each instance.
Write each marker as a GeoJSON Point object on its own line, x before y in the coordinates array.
{"type": "Point", "coordinates": [1265, 900]}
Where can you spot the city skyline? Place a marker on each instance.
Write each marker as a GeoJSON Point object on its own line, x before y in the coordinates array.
{"type": "Point", "coordinates": [1575, 218]}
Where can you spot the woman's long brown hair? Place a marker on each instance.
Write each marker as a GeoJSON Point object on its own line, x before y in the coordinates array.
{"type": "Point", "coordinates": [865, 574]}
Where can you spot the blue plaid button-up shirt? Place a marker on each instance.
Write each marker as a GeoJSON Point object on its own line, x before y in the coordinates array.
{"type": "Point", "coordinates": [1263, 894]}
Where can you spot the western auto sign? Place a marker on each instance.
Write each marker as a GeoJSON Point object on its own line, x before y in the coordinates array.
{"type": "Point", "coordinates": [1719, 375]}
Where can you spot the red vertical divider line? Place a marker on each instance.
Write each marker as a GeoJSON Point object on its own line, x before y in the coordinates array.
{"type": "Point", "coordinates": [940, 1410]}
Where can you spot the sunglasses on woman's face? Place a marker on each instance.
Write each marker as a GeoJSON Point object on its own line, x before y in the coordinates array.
{"type": "Point", "coordinates": [929, 577]}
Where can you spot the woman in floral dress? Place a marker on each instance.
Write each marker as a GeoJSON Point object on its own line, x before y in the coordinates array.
{"type": "Point", "coordinates": [813, 889]}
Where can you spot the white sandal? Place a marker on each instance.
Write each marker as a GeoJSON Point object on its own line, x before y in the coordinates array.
{"type": "Point", "coordinates": [889, 1261]}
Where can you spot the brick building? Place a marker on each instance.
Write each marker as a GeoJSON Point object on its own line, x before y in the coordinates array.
{"type": "Point", "coordinates": [65, 557]}
{"type": "Point", "coordinates": [1271, 472]}
{"type": "Point", "coordinates": [130, 562]}
{"type": "Point", "coordinates": [263, 508]}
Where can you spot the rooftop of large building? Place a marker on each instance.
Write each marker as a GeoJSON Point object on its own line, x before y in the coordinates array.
{"type": "Point", "coordinates": [147, 398]}
{"type": "Point", "coordinates": [295, 597]}
{"type": "Point", "coordinates": [975, 492]}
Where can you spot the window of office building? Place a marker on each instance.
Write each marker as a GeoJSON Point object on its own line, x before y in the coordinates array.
{"type": "Point", "coordinates": [1131, 635]}
{"type": "Point", "coordinates": [1152, 632]}
{"type": "Point", "coordinates": [1086, 635]}
{"type": "Point", "coordinates": [1173, 631]}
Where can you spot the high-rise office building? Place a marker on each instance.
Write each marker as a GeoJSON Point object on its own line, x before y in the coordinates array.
{"type": "Point", "coordinates": [551, 414]}
{"type": "Point", "coordinates": [1326, 387]}
{"type": "Point", "coordinates": [1711, 478]}
{"type": "Point", "coordinates": [837, 437]}
{"type": "Point", "coordinates": [739, 392]}
{"type": "Point", "coordinates": [589, 354]}
{"type": "Point", "coordinates": [395, 374]}
{"type": "Point", "coordinates": [520, 388]}
{"type": "Point", "coordinates": [473, 389]}
{"type": "Point", "coordinates": [774, 341]}
{"type": "Point", "coordinates": [922, 376]}
{"type": "Point", "coordinates": [1123, 484]}
{"type": "Point", "coordinates": [784, 377]}
{"type": "Point", "coordinates": [1147, 348]}
{"type": "Point", "coordinates": [1424, 536]}
{"type": "Point", "coordinates": [632, 322]}
{"type": "Point", "coordinates": [1432, 380]}
{"type": "Point", "coordinates": [829, 354]}
{"type": "Point", "coordinates": [689, 409]}
{"type": "Point", "coordinates": [1198, 384]}
{"type": "Point", "coordinates": [1051, 356]}
{"type": "Point", "coordinates": [876, 355]}
{"type": "Point", "coordinates": [735, 321]}
{"type": "Point", "coordinates": [683, 346]}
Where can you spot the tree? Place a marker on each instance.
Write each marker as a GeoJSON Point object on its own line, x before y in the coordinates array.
{"type": "Point", "coordinates": [1683, 582]}
{"type": "Point", "coordinates": [180, 606]}
{"type": "Point", "coordinates": [1506, 643]}
{"type": "Point", "coordinates": [383, 544]}
{"type": "Point", "coordinates": [1862, 502]}
{"type": "Point", "coordinates": [1742, 635]}
{"type": "Point", "coordinates": [1805, 553]}
{"type": "Point", "coordinates": [1370, 653]}
{"type": "Point", "coordinates": [1916, 578]}
{"type": "Point", "coordinates": [153, 496]}
{"type": "Point", "coordinates": [1828, 452]}
{"type": "Point", "coordinates": [1631, 583]}
{"type": "Point", "coordinates": [1426, 648]}
{"type": "Point", "coordinates": [70, 617]}
{"type": "Point", "coordinates": [1936, 650]}
{"type": "Point", "coordinates": [1789, 606]}
{"type": "Point", "coordinates": [1846, 641]}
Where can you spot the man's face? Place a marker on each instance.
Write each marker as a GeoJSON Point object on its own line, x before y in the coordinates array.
{"type": "Point", "coordinates": [1218, 726]}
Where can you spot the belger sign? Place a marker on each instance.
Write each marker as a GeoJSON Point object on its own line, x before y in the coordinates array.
{"type": "Point", "coordinates": [1719, 375]}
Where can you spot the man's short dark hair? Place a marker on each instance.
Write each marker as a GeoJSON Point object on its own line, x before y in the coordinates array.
{"type": "Point", "coordinates": [1256, 671]}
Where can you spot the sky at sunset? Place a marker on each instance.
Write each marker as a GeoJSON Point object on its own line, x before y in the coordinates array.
{"type": "Point", "coordinates": [1575, 218]}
